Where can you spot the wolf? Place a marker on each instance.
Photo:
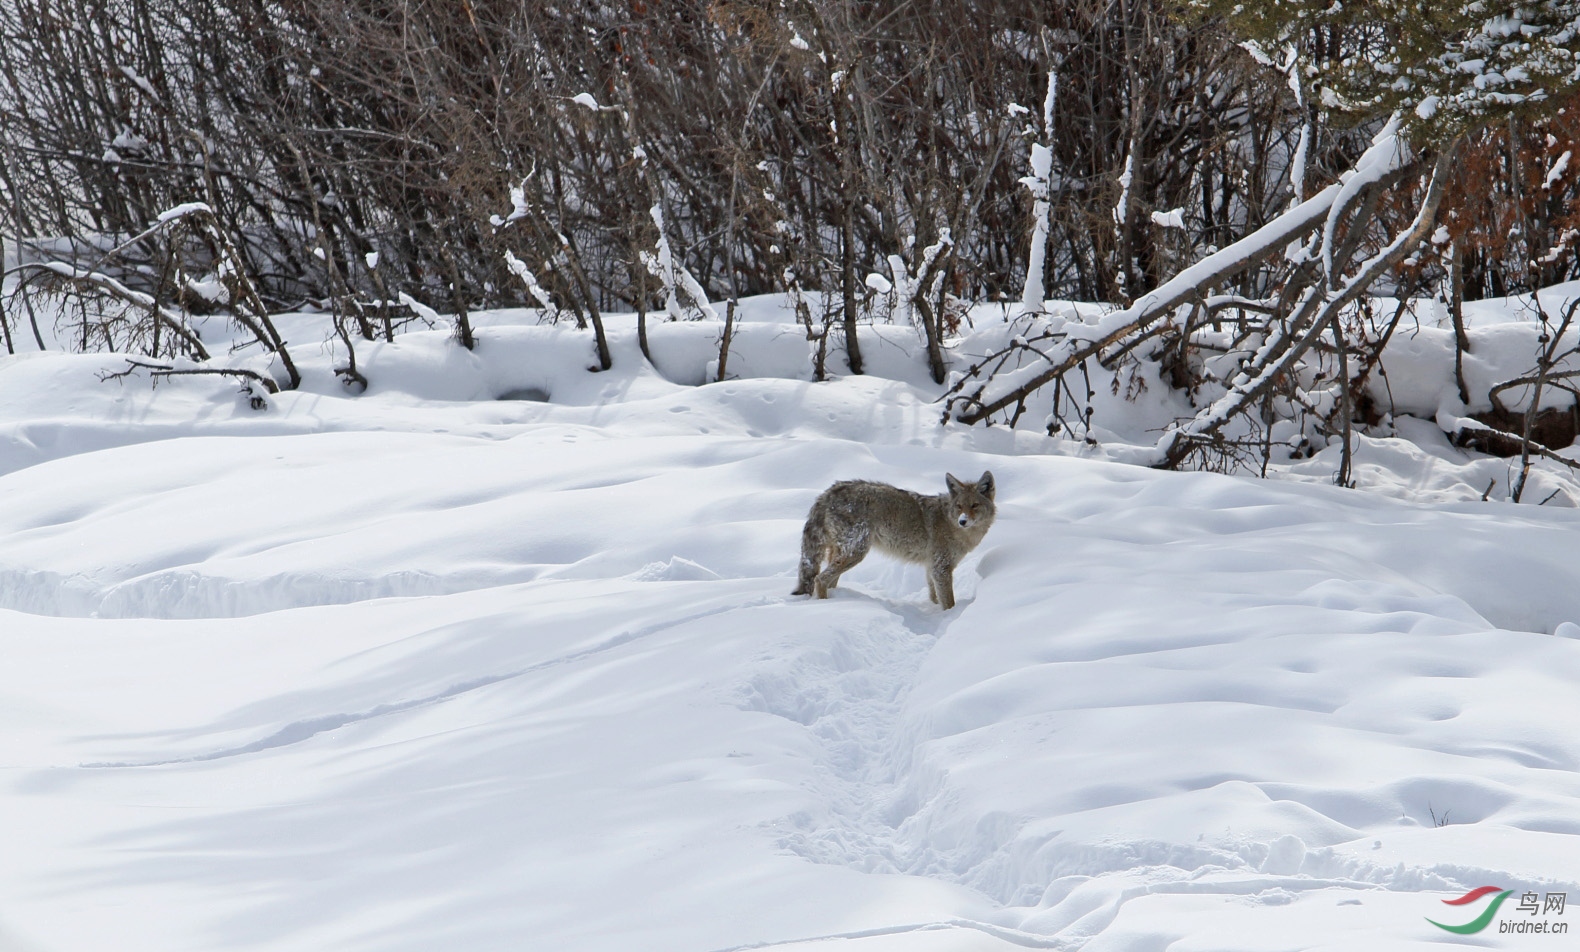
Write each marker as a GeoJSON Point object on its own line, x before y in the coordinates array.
{"type": "Point", "coordinates": [852, 516]}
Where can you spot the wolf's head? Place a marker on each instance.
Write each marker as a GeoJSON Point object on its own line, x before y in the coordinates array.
{"type": "Point", "coordinates": [972, 502]}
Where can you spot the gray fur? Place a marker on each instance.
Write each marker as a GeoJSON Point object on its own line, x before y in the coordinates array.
{"type": "Point", "coordinates": [855, 516]}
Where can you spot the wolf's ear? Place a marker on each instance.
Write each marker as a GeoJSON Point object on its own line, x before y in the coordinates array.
{"type": "Point", "coordinates": [955, 486]}
{"type": "Point", "coordinates": [985, 485]}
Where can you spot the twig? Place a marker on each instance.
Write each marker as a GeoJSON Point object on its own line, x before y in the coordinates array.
{"type": "Point", "coordinates": [165, 370]}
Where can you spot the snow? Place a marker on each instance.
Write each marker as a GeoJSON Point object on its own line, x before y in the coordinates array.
{"type": "Point", "coordinates": [674, 276]}
{"type": "Point", "coordinates": [183, 210]}
{"type": "Point", "coordinates": [1039, 183]}
{"type": "Point", "coordinates": [1557, 171]}
{"type": "Point", "coordinates": [499, 654]}
{"type": "Point", "coordinates": [420, 309]}
{"type": "Point", "coordinates": [141, 83]}
{"type": "Point", "coordinates": [1386, 154]}
{"type": "Point", "coordinates": [1122, 207]}
{"type": "Point", "coordinates": [539, 293]}
{"type": "Point", "coordinates": [1173, 218]}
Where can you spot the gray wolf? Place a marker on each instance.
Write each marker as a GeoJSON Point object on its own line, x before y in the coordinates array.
{"type": "Point", "coordinates": [853, 516]}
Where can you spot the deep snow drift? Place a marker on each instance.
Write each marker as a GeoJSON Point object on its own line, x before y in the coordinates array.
{"type": "Point", "coordinates": [428, 669]}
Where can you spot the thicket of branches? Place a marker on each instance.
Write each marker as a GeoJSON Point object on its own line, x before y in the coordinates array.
{"type": "Point", "coordinates": [787, 142]}
{"type": "Point", "coordinates": [1280, 330]}
{"type": "Point", "coordinates": [381, 160]}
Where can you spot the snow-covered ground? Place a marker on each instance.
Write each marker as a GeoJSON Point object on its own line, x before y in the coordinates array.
{"type": "Point", "coordinates": [427, 669]}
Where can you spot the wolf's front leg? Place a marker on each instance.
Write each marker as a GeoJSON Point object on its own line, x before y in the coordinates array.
{"type": "Point", "coordinates": [941, 583]}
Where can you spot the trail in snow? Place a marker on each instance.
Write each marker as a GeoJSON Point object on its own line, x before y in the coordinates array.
{"type": "Point", "coordinates": [848, 693]}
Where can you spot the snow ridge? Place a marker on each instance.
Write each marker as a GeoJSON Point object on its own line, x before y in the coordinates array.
{"type": "Point", "coordinates": [305, 729]}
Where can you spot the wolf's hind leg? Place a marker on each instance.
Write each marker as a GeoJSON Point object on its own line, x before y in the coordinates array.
{"type": "Point", "coordinates": [812, 550]}
{"type": "Point", "coordinates": [841, 560]}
